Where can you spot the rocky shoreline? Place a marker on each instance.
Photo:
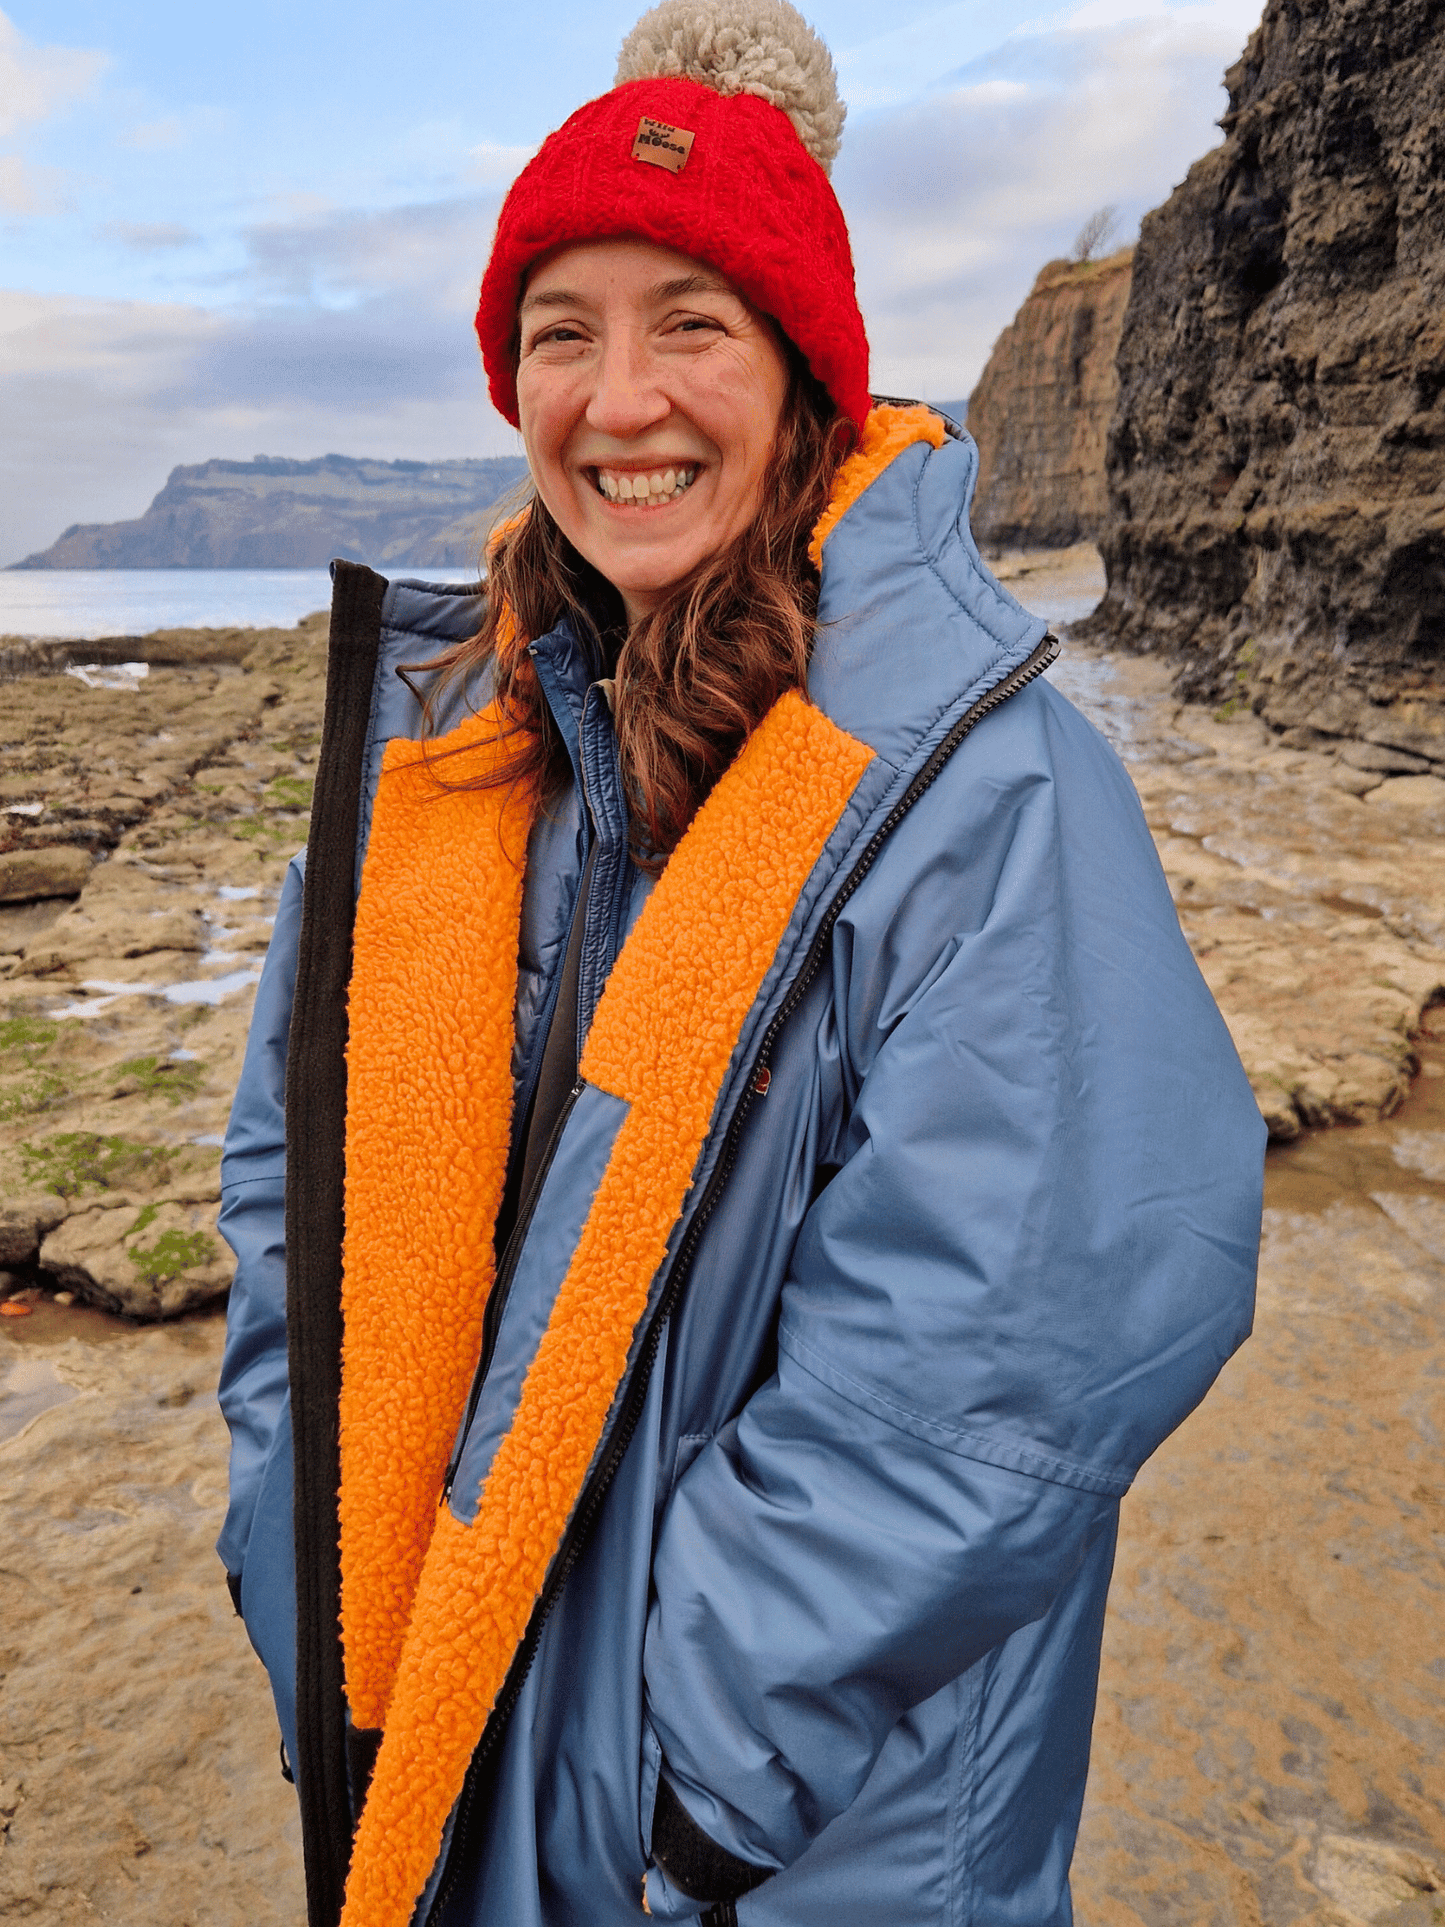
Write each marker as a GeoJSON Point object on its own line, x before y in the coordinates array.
{"type": "Point", "coordinates": [164, 790]}
{"type": "Point", "coordinates": [1269, 1718]}
{"type": "Point", "coordinates": [1311, 889]}
{"type": "Point", "coordinates": [165, 805]}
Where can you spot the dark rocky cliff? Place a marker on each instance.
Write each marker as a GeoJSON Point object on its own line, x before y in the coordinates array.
{"type": "Point", "coordinates": [1276, 465]}
{"type": "Point", "coordinates": [278, 514]}
{"type": "Point", "coordinates": [1041, 410]}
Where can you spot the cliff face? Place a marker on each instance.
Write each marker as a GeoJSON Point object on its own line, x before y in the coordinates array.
{"type": "Point", "coordinates": [1276, 466]}
{"type": "Point", "coordinates": [276, 514]}
{"type": "Point", "coordinates": [1041, 411]}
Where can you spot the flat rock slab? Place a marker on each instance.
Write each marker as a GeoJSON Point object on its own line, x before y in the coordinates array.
{"type": "Point", "coordinates": [154, 1260]}
{"type": "Point", "coordinates": [1270, 1720]}
{"type": "Point", "coordinates": [138, 1750]}
{"type": "Point", "coordinates": [1271, 1715]}
{"type": "Point", "coordinates": [28, 874]}
{"type": "Point", "coordinates": [169, 808]}
{"type": "Point", "coordinates": [1315, 906]}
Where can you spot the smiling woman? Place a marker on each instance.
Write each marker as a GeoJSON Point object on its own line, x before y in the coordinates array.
{"type": "Point", "coordinates": [641, 382]}
{"type": "Point", "coordinates": [724, 1212]}
{"type": "Point", "coordinates": [681, 452]}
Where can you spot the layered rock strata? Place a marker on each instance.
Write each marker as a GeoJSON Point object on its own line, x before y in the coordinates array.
{"type": "Point", "coordinates": [1041, 411]}
{"type": "Point", "coordinates": [1276, 465]}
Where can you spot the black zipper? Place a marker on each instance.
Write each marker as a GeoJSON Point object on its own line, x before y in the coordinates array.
{"type": "Point", "coordinates": [635, 1395]}
{"type": "Point", "coordinates": [497, 1297]}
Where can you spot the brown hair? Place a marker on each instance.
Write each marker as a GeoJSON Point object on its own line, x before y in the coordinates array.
{"type": "Point", "coordinates": [696, 675]}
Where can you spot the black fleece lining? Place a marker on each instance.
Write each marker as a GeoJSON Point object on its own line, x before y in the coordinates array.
{"type": "Point", "coordinates": [363, 1743]}
{"type": "Point", "coordinates": [315, 1162]}
{"type": "Point", "coordinates": [694, 1862]}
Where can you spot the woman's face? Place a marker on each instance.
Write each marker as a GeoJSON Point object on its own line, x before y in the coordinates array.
{"type": "Point", "coordinates": [649, 394]}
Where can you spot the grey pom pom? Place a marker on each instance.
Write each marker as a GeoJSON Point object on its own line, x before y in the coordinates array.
{"type": "Point", "coordinates": [762, 47]}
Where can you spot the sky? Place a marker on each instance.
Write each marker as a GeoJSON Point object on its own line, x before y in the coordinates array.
{"type": "Point", "coordinates": [233, 230]}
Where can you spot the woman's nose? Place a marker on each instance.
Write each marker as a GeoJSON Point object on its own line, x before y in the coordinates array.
{"type": "Point", "coordinates": [626, 397]}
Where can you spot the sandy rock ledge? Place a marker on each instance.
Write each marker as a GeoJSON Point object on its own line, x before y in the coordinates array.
{"type": "Point", "coordinates": [145, 829]}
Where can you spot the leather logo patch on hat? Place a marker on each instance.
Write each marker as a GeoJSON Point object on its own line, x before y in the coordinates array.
{"type": "Point", "coordinates": [662, 145]}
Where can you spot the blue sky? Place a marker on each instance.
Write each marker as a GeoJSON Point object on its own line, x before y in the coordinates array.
{"type": "Point", "coordinates": [234, 229]}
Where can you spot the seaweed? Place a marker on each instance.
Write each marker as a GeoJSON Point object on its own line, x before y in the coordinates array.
{"type": "Point", "coordinates": [73, 1162]}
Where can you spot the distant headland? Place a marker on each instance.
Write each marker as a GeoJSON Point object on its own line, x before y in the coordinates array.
{"type": "Point", "coordinates": [272, 513]}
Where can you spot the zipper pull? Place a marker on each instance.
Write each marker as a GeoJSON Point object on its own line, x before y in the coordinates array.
{"type": "Point", "coordinates": [762, 1078]}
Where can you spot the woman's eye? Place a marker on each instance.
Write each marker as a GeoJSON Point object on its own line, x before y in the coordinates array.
{"type": "Point", "coordinates": [563, 334]}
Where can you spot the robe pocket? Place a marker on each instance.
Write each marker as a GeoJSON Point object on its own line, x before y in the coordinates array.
{"type": "Point", "coordinates": [647, 1791]}
{"type": "Point", "coordinates": [688, 1447]}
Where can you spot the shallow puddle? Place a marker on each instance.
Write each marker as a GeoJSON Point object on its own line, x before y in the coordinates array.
{"type": "Point", "coordinates": [50, 1324]}
{"type": "Point", "coordinates": [1352, 1163]}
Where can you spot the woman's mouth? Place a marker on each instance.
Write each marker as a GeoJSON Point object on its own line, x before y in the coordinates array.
{"type": "Point", "coordinates": [644, 490]}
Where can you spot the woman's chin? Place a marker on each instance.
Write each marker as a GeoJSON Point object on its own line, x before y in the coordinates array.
{"type": "Point", "coordinates": [643, 569]}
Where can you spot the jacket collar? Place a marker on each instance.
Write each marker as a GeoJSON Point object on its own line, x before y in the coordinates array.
{"type": "Point", "coordinates": [566, 668]}
{"type": "Point", "coordinates": [910, 621]}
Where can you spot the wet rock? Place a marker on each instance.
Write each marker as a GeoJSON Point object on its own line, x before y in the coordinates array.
{"type": "Point", "coordinates": [114, 931]}
{"type": "Point", "coordinates": [123, 1017]}
{"type": "Point", "coordinates": [1422, 1151]}
{"type": "Point", "coordinates": [1041, 410]}
{"type": "Point", "coordinates": [152, 1261]}
{"type": "Point", "coordinates": [1276, 522]}
{"type": "Point", "coordinates": [60, 871]}
{"type": "Point", "coordinates": [138, 1753]}
{"type": "Point", "coordinates": [1424, 793]}
{"type": "Point", "coordinates": [1415, 726]}
{"type": "Point", "coordinates": [1355, 782]}
{"type": "Point", "coordinates": [1388, 762]}
{"type": "Point", "coordinates": [23, 1223]}
{"type": "Point", "coordinates": [1369, 1879]}
{"type": "Point", "coordinates": [1268, 1728]}
{"type": "Point", "coordinates": [1318, 923]}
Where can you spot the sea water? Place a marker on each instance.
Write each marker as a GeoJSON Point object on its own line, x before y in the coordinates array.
{"type": "Point", "coordinates": [85, 603]}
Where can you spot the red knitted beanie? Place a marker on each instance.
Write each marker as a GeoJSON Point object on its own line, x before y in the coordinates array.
{"type": "Point", "coordinates": [723, 177]}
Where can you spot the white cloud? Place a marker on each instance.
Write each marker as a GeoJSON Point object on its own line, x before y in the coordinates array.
{"type": "Point", "coordinates": [350, 330]}
{"type": "Point", "coordinates": [101, 399]}
{"type": "Point", "coordinates": [1237, 18]}
{"type": "Point", "coordinates": [36, 82]}
{"type": "Point", "coordinates": [491, 165]}
{"type": "Point", "coordinates": [956, 199]}
{"type": "Point", "coordinates": [149, 237]}
{"type": "Point", "coordinates": [192, 127]}
{"type": "Point", "coordinates": [26, 188]}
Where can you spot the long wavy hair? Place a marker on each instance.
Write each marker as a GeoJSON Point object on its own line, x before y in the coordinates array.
{"type": "Point", "coordinates": [694, 677]}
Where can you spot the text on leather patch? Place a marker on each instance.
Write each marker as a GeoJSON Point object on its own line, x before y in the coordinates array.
{"type": "Point", "coordinates": [664, 146]}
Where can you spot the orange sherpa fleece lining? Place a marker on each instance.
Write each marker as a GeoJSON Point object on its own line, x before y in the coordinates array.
{"type": "Point", "coordinates": [429, 1112]}
{"type": "Point", "coordinates": [886, 433]}
{"type": "Point", "coordinates": [662, 1040]}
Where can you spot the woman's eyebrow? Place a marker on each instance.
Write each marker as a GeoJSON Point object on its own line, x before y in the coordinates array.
{"type": "Point", "coordinates": [552, 298]}
{"type": "Point", "coordinates": [673, 290]}
{"type": "Point", "coordinates": [687, 284]}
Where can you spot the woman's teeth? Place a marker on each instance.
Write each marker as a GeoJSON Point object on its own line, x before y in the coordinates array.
{"type": "Point", "coordinates": [644, 491]}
